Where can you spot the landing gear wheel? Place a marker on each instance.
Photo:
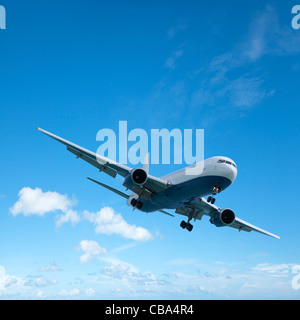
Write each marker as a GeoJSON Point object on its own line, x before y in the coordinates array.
{"type": "Point", "coordinates": [211, 200]}
{"type": "Point", "coordinates": [183, 224]}
{"type": "Point", "coordinates": [186, 225]}
{"type": "Point", "coordinates": [189, 227]}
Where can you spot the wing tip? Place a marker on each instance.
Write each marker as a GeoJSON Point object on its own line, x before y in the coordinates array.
{"type": "Point", "coordinates": [271, 235]}
{"type": "Point", "coordinates": [40, 129]}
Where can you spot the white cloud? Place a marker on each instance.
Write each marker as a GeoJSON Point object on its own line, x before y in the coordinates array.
{"type": "Point", "coordinates": [40, 294]}
{"type": "Point", "coordinates": [42, 282]}
{"type": "Point", "coordinates": [10, 284]}
{"type": "Point", "coordinates": [268, 36]}
{"type": "Point", "coordinates": [172, 32]}
{"type": "Point", "coordinates": [69, 216]}
{"type": "Point", "coordinates": [50, 267]}
{"type": "Point", "coordinates": [125, 247]}
{"type": "Point", "coordinates": [89, 292]}
{"type": "Point", "coordinates": [90, 249]}
{"type": "Point", "coordinates": [241, 93]}
{"type": "Point", "coordinates": [170, 63]}
{"type": "Point", "coordinates": [37, 202]}
{"type": "Point", "coordinates": [274, 270]}
{"type": "Point", "coordinates": [70, 293]}
{"type": "Point", "coordinates": [129, 274]}
{"type": "Point", "coordinates": [119, 269]}
{"type": "Point", "coordinates": [108, 222]}
{"type": "Point", "coordinates": [246, 93]}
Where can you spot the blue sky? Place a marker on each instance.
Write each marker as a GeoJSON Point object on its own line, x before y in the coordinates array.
{"type": "Point", "coordinates": [73, 69]}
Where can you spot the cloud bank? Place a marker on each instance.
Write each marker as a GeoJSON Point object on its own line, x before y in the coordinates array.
{"type": "Point", "coordinates": [106, 221]}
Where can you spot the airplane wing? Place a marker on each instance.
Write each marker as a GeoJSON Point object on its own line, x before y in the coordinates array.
{"type": "Point", "coordinates": [112, 168]}
{"type": "Point", "coordinates": [200, 207]}
{"type": "Point", "coordinates": [124, 195]}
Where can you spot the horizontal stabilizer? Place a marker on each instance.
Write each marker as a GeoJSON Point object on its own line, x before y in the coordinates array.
{"type": "Point", "coordinates": [120, 193]}
{"type": "Point", "coordinates": [165, 212]}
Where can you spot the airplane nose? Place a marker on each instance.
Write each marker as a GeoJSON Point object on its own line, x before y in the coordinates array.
{"type": "Point", "coordinates": [227, 168]}
{"type": "Point", "coordinates": [231, 172]}
{"type": "Point", "coordinates": [230, 169]}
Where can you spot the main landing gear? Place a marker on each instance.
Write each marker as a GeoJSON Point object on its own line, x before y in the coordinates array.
{"type": "Point", "coordinates": [186, 225]}
{"type": "Point", "coordinates": [211, 199]}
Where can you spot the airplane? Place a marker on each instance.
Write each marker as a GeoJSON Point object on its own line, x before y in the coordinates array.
{"type": "Point", "coordinates": [184, 193]}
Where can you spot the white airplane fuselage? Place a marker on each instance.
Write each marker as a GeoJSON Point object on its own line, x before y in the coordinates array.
{"type": "Point", "coordinates": [195, 181]}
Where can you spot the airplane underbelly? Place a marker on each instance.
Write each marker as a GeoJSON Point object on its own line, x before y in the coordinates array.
{"type": "Point", "coordinates": [199, 187]}
{"type": "Point", "coordinates": [176, 195]}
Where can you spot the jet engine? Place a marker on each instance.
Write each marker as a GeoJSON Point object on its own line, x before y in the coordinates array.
{"type": "Point", "coordinates": [134, 202]}
{"type": "Point", "coordinates": [136, 177]}
{"type": "Point", "coordinates": [223, 218]}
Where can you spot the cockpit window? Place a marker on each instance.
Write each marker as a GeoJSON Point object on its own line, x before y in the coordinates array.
{"type": "Point", "coordinates": [228, 162]}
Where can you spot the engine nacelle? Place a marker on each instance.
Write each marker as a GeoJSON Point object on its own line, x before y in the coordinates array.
{"type": "Point", "coordinates": [136, 177]}
{"type": "Point", "coordinates": [223, 218]}
{"type": "Point", "coordinates": [134, 202]}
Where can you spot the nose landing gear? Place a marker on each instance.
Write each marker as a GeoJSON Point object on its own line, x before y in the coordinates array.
{"type": "Point", "coordinates": [211, 200]}
{"type": "Point", "coordinates": [216, 190]}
